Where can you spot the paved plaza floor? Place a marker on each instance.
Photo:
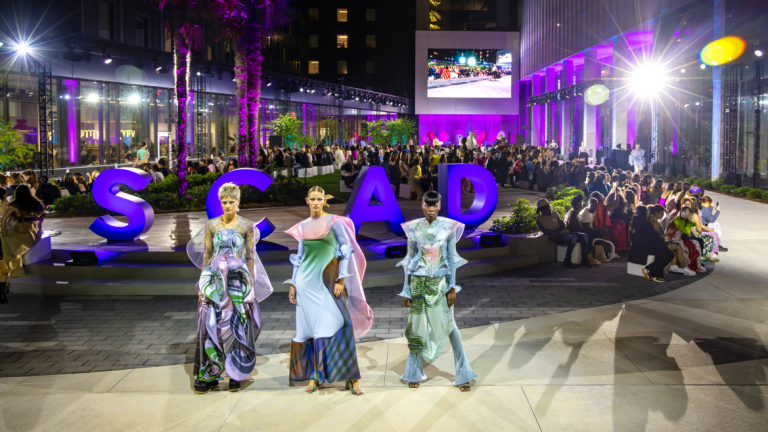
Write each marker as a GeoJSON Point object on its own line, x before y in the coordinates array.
{"type": "Point", "coordinates": [554, 350]}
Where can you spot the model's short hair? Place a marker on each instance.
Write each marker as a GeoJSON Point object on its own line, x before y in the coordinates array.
{"type": "Point", "coordinates": [431, 198]}
{"type": "Point", "coordinates": [576, 199]}
{"type": "Point", "coordinates": [229, 190]}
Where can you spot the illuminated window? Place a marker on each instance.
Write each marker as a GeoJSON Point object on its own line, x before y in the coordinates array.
{"type": "Point", "coordinates": [370, 67]}
{"type": "Point", "coordinates": [370, 41]}
{"type": "Point", "coordinates": [341, 66]}
{"type": "Point", "coordinates": [314, 14]}
{"type": "Point", "coordinates": [314, 41]}
{"type": "Point", "coordinates": [341, 41]}
{"type": "Point", "coordinates": [314, 67]}
{"type": "Point", "coordinates": [341, 15]}
{"type": "Point", "coordinates": [370, 14]}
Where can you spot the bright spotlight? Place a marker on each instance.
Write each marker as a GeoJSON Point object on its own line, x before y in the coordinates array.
{"type": "Point", "coordinates": [93, 97]}
{"type": "Point", "coordinates": [758, 53]}
{"type": "Point", "coordinates": [682, 70]}
{"type": "Point", "coordinates": [648, 79]}
{"type": "Point", "coordinates": [23, 48]}
{"type": "Point", "coordinates": [462, 59]}
{"type": "Point", "coordinates": [703, 66]}
{"type": "Point", "coordinates": [134, 99]}
{"type": "Point", "coordinates": [471, 61]}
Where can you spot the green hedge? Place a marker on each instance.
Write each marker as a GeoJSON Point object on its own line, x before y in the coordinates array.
{"type": "Point", "coordinates": [163, 196]}
{"type": "Point", "coordinates": [727, 188]}
{"type": "Point", "coordinates": [756, 193]}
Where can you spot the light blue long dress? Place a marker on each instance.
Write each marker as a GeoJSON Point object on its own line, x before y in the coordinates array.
{"type": "Point", "coordinates": [324, 346]}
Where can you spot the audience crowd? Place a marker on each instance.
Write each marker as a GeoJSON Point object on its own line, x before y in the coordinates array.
{"type": "Point", "coordinates": [617, 213]}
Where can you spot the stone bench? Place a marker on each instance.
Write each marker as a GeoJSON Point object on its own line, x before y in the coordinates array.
{"type": "Point", "coordinates": [310, 172]}
{"type": "Point", "coordinates": [322, 170]}
{"type": "Point", "coordinates": [405, 191]}
{"type": "Point", "coordinates": [575, 255]}
{"type": "Point", "coordinates": [637, 269]}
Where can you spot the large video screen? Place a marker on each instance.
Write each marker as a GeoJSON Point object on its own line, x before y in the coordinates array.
{"type": "Point", "coordinates": [469, 73]}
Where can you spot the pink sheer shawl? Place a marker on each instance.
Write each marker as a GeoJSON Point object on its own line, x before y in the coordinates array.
{"type": "Point", "coordinates": [359, 311]}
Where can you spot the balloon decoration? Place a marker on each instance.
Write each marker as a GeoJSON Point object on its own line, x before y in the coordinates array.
{"type": "Point", "coordinates": [596, 95]}
{"type": "Point", "coordinates": [722, 51]}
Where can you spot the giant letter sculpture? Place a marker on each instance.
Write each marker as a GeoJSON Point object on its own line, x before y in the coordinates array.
{"type": "Point", "coordinates": [372, 181]}
{"type": "Point", "coordinates": [242, 176]}
{"type": "Point", "coordinates": [106, 193]}
{"type": "Point", "coordinates": [486, 193]}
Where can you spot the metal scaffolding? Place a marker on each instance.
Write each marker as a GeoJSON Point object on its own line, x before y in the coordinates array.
{"type": "Point", "coordinates": [45, 116]}
{"type": "Point", "coordinates": [201, 129]}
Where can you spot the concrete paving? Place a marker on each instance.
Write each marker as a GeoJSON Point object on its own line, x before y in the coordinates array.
{"type": "Point", "coordinates": [689, 359]}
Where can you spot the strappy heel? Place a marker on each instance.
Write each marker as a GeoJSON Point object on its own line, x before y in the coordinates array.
{"type": "Point", "coordinates": [413, 385]}
{"type": "Point", "coordinates": [311, 388]}
{"type": "Point", "coordinates": [465, 387]}
{"type": "Point", "coordinates": [355, 391]}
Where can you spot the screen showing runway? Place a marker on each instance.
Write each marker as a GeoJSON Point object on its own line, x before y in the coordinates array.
{"type": "Point", "coordinates": [469, 73]}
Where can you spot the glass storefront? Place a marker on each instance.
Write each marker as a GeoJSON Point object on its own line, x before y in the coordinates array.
{"type": "Point", "coordinates": [102, 124]}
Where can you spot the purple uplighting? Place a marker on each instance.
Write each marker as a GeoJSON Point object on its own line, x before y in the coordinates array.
{"type": "Point", "coordinates": [70, 89]}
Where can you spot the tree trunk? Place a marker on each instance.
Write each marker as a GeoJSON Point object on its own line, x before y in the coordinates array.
{"type": "Point", "coordinates": [242, 103]}
{"type": "Point", "coordinates": [254, 93]}
{"type": "Point", "coordinates": [181, 71]}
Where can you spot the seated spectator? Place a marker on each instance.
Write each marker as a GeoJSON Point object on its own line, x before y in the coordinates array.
{"type": "Point", "coordinates": [710, 240]}
{"type": "Point", "coordinates": [70, 185]}
{"type": "Point", "coordinates": [80, 182]}
{"type": "Point", "coordinates": [28, 213]}
{"type": "Point", "coordinates": [604, 250]}
{"type": "Point", "coordinates": [645, 241]}
{"type": "Point", "coordinates": [656, 217]}
{"type": "Point", "coordinates": [616, 231]}
{"type": "Point", "coordinates": [679, 232]}
{"type": "Point", "coordinates": [232, 165]}
{"type": "Point", "coordinates": [573, 225]}
{"type": "Point", "coordinates": [157, 176]}
{"type": "Point", "coordinates": [211, 166]}
{"type": "Point", "coordinates": [709, 215]}
{"type": "Point", "coordinates": [202, 168]}
{"type": "Point", "coordinates": [47, 192]}
{"type": "Point", "coordinates": [598, 185]}
{"type": "Point", "coordinates": [349, 172]}
{"type": "Point", "coordinates": [549, 223]}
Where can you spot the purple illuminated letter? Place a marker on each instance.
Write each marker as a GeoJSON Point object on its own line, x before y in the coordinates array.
{"type": "Point", "coordinates": [486, 193]}
{"type": "Point", "coordinates": [242, 176]}
{"type": "Point", "coordinates": [106, 193]}
{"type": "Point", "coordinates": [371, 182]}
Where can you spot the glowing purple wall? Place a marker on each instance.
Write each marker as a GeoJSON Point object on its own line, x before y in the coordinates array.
{"type": "Point", "coordinates": [70, 91]}
{"type": "Point", "coordinates": [446, 127]}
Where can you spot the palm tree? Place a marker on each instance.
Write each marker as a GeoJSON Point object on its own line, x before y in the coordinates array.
{"type": "Point", "coordinates": [187, 37]}
{"type": "Point", "coordinates": [245, 23]}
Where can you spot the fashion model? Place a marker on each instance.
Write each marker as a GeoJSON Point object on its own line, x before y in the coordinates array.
{"type": "Point", "coordinates": [430, 292]}
{"type": "Point", "coordinates": [637, 159]}
{"type": "Point", "coordinates": [331, 310]}
{"type": "Point", "coordinates": [231, 284]}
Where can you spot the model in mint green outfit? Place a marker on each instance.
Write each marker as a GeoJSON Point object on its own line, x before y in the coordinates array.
{"type": "Point", "coordinates": [430, 292]}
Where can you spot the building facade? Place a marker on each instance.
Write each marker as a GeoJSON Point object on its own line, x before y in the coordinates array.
{"type": "Point", "coordinates": [111, 86]}
{"type": "Point", "coordinates": [707, 120]}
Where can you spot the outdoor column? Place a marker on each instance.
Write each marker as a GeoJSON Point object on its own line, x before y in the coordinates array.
{"type": "Point", "coordinates": [549, 109]}
{"type": "Point", "coordinates": [567, 79]}
{"type": "Point", "coordinates": [623, 106]}
{"type": "Point", "coordinates": [537, 126]}
{"type": "Point", "coordinates": [591, 112]}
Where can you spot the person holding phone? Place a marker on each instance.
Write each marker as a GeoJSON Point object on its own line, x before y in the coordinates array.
{"type": "Point", "coordinates": [709, 215]}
